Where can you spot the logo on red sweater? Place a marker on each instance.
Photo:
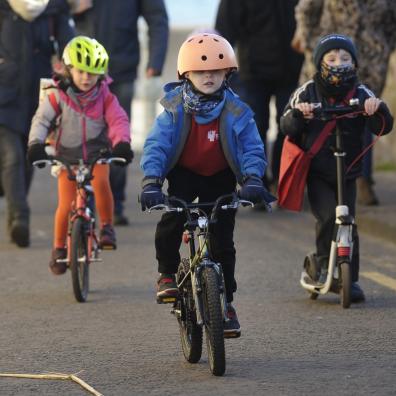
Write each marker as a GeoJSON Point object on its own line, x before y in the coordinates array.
{"type": "Point", "coordinates": [213, 135]}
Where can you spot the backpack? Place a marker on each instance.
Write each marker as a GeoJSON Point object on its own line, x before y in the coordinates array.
{"type": "Point", "coordinates": [45, 85]}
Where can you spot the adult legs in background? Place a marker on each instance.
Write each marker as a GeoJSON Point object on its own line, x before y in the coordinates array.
{"type": "Point", "coordinates": [282, 96]}
{"type": "Point", "coordinates": [118, 174]}
{"type": "Point", "coordinates": [12, 168]}
{"type": "Point", "coordinates": [365, 192]}
{"type": "Point", "coordinates": [257, 95]}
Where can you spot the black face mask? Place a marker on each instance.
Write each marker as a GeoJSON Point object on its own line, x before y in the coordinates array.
{"type": "Point", "coordinates": [337, 75]}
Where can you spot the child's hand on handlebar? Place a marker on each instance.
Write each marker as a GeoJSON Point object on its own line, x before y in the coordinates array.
{"type": "Point", "coordinates": [371, 105]}
{"type": "Point", "coordinates": [306, 109]}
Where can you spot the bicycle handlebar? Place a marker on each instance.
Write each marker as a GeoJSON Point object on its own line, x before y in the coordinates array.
{"type": "Point", "coordinates": [189, 207]}
{"type": "Point", "coordinates": [53, 160]}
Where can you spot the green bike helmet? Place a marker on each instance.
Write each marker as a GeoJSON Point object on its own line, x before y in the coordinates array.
{"type": "Point", "coordinates": [86, 54]}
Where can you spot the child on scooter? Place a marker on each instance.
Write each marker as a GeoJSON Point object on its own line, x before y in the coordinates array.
{"type": "Point", "coordinates": [336, 61]}
{"type": "Point", "coordinates": [203, 143]}
{"type": "Point", "coordinates": [91, 120]}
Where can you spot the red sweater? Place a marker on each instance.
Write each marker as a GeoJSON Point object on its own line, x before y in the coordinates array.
{"type": "Point", "coordinates": [202, 152]}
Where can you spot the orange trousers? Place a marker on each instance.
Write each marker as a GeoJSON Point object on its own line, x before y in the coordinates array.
{"type": "Point", "coordinates": [67, 194]}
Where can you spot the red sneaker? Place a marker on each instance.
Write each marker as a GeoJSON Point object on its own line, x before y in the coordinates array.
{"type": "Point", "coordinates": [107, 238]}
{"type": "Point", "coordinates": [58, 267]}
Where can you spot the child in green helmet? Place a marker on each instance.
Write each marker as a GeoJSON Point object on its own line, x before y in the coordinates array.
{"type": "Point", "coordinates": [90, 120]}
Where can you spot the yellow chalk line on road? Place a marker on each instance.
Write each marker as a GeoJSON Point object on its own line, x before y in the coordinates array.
{"type": "Point", "coordinates": [383, 280]}
{"type": "Point", "coordinates": [56, 376]}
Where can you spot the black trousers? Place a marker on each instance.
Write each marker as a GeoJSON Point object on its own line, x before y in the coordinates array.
{"type": "Point", "coordinates": [322, 195]}
{"type": "Point", "coordinates": [187, 185]}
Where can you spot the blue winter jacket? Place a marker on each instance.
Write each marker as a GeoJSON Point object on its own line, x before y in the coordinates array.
{"type": "Point", "coordinates": [239, 137]}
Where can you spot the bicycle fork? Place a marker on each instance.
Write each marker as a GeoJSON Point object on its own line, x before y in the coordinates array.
{"type": "Point", "coordinates": [196, 283]}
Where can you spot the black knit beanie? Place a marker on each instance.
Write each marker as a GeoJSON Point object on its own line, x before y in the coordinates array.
{"type": "Point", "coordinates": [330, 42]}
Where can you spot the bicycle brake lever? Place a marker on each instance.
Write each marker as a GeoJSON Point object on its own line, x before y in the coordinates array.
{"type": "Point", "coordinates": [157, 207]}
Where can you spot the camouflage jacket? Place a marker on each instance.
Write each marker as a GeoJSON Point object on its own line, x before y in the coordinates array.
{"type": "Point", "coordinates": [370, 23]}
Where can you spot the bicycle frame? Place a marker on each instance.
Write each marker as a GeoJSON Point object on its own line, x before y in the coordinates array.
{"type": "Point", "coordinates": [81, 174]}
{"type": "Point", "coordinates": [200, 256]}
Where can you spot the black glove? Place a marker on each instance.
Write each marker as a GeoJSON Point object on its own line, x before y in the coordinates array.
{"type": "Point", "coordinates": [254, 191]}
{"type": "Point", "coordinates": [123, 150]}
{"type": "Point", "coordinates": [151, 195]}
{"type": "Point", "coordinates": [36, 152]}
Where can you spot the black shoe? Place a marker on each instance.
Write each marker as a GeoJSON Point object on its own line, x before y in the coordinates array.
{"type": "Point", "coordinates": [357, 294]}
{"type": "Point", "coordinates": [56, 267]}
{"type": "Point", "coordinates": [121, 220]}
{"type": "Point", "coordinates": [107, 239]}
{"type": "Point", "coordinates": [232, 328]}
{"type": "Point", "coordinates": [167, 291]}
{"type": "Point", "coordinates": [20, 234]}
{"type": "Point", "coordinates": [323, 275]}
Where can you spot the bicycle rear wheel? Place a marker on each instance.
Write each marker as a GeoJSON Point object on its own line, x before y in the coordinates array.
{"type": "Point", "coordinates": [213, 320]}
{"type": "Point", "coordinates": [79, 260]}
{"type": "Point", "coordinates": [190, 332]}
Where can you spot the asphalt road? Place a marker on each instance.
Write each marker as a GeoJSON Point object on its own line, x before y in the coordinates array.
{"type": "Point", "coordinates": [122, 343]}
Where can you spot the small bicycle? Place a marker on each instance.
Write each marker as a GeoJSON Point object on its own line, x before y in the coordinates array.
{"type": "Point", "coordinates": [201, 302]}
{"type": "Point", "coordinates": [339, 269]}
{"type": "Point", "coordinates": [82, 241]}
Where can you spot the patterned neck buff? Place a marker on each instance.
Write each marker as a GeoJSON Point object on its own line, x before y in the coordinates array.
{"type": "Point", "coordinates": [337, 75]}
{"type": "Point", "coordinates": [84, 98]}
{"type": "Point", "coordinates": [198, 103]}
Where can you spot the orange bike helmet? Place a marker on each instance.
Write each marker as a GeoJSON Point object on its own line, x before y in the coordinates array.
{"type": "Point", "coordinates": [205, 51]}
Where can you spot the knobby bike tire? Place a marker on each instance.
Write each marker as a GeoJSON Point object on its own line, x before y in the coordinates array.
{"type": "Point", "coordinates": [79, 269]}
{"type": "Point", "coordinates": [190, 332]}
{"type": "Point", "coordinates": [213, 320]}
{"type": "Point", "coordinates": [346, 283]}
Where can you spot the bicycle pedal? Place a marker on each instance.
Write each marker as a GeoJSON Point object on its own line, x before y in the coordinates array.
{"type": "Point", "coordinates": [108, 247]}
{"type": "Point", "coordinates": [232, 334]}
{"type": "Point", "coordinates": [166, 300]}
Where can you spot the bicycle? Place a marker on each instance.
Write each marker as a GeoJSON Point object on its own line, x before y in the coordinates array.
{"type": "Point", "coordinates": [201, 302]}
{"type": "Point", "coordinates": [339, 277]}
{"type": "Point", "coordinates": [82, 241]}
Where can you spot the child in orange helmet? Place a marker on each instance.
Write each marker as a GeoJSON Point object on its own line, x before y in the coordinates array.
{"type": "Point", "coordinates": [203, 143]}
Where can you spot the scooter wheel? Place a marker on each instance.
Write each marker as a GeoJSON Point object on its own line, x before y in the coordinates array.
{"type": "Point", "coordinates": [311, 267]}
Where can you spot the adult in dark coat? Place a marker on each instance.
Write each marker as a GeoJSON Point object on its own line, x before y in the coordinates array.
{"type": "Point", "coordinates": [29, 33]}
{"type": "Point", "coordinates": [115, 25]}
{"type": "Point", "coordinates": [262, 32]}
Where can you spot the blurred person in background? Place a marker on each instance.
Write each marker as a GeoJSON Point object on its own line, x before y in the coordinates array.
{"type": "Point", "coordinates": [261, 32]}
{"type": "Point", "coordinates": [32, 32]}
{"type": "Point", "coordinates": [372, 26]}
{"type": "Point", "coordinates": [115, 24]}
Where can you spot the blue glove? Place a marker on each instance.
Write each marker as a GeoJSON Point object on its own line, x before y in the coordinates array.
{"type": "Point", "coordinates": [151, 195]}
{"type": "Point", "coordinates": [254, 191]}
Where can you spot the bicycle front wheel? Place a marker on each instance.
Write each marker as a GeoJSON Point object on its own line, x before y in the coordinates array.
{"type": "Point", "coordinates": [213, 320]}
{"type": "Point", "coordinates": [190, 331]}
{"type": "Point", "coordinates": [79, 260]}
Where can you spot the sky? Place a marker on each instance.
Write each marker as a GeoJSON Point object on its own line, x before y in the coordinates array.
{"type": "Point", "coordinates": [191, 13]}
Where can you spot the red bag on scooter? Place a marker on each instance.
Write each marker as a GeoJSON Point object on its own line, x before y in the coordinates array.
{"type": "Point", "coordinates": [294, 167]}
